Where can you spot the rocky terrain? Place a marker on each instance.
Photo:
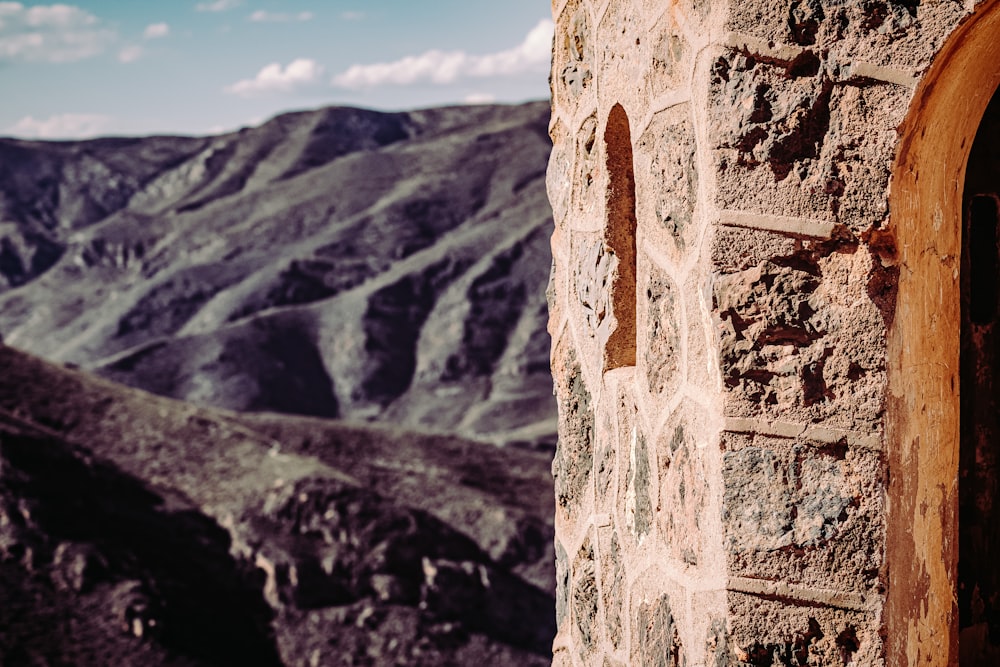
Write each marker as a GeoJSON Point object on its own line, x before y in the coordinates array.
{"type": "Point", "coordinates": [385, 270]}
{"type": "Point", "coordinates": [333, 263]}
{"type": "Point", "coordinates": [138, 530]}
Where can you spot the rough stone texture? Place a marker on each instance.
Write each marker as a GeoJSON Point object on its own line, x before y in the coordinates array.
{"type": "Point", "coordinates": [701, 371]}
{"type": "Point", "coordinates": [587, 165]}
{"type": "Point", "coordinates": [597, 267]}
{"type": "Point", "coordinates": [800, 336]}
{"type": "Point", "coordinates": [683, 486]}
{"type": "Point", "coordinates": [661, 333]}
{"type": "Point", "coordinates": [668, 176]}
{"type": "Point", "coordinates": [903, 33]}
{"type": "Point", "coordinates": [620, 36]}
{"type": "Point", "coordinates": [791, 139]}
{"type": "Point", "coordinates": [748, 511]}
{"type": "Point", "coordinates": [668, 55]}
{"type": "Point", "coordinates": [736, 249]}
{"type": "Point", "coordinates": [558, 175]}
{"type": "Point", "coordinates": [802, 512]}
{"type": "Point", "coordinates": [584, 601]}
{"type": "Point", "coordinates": [573, 54]}
{"type": "Point", "coordinates": [562, 584]}
{"type": "Point", "coordinates": [655, 640]}
{"type": "Point", "coordinates": [717, 645]}
{"type": "Point", "coordinates": [638, 506]}
{"type": "Point", "coordinates": [574, 458]}
{"type": "Point", "coordinates": [613, 588]}
{"type": "Point", "coordinates": [606, 453]}
{"type": "Point", "coordinates": [771, 632]}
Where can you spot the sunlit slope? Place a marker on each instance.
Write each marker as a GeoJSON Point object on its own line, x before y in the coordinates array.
{"type": "Point", "coordinates": [335, 263]}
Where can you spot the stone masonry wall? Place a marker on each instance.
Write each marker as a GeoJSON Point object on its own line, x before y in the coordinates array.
{"type": "Point", "coordinates": [722, 500]}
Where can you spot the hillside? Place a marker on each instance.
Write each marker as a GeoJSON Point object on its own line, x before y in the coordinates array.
{"type": "Point", "coordinates": [329, 263]}
{"type": "Point", "coordinates": [137, 530]}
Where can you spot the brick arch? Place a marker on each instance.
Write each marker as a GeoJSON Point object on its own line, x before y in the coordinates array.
{"type": "Point", "coordinates": [925, 204]}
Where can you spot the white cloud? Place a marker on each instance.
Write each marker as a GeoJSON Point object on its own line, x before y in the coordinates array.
{"type": "Point", "coordinates": [300, 73]}
{"type": "Point", "coordinates": [130, 54]}
{"type": "Point", "coordinates": [352, 16]}
{"type": "Point", "coordinates": [61, 126]}
{"type": "Point", "coordinates": [443, 67]}
{"type": "Point", "coordinates": [156, 30]}
{"type": "Point", "coordinates": [260, 16]}
{"type": "Point", "coordinates": [50, 33]}
{"type": "Point", "coordinates": [218, 5]}
{"type": "Point", "coordinates": [480, 98]}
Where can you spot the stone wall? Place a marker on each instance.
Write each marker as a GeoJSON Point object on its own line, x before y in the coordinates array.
{"type": "Point", "coordinates": [721, 496]}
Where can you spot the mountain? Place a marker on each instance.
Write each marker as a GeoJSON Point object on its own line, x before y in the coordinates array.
{"type": "Point", "coordinates": [339, 262]}
{"type": "Point", "coordinates": [138, 530]}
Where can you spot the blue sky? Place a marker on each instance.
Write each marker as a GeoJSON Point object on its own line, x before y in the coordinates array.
{"type": "Point", "coordinates": [97, 67]}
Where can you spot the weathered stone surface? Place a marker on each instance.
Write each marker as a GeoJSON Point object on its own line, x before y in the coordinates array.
{"type": "Point", "coordinates": [766, 285]}
{"type": "Point", "coordinates": [770, 123]}
{"type": "Point", "coordinates": [667, 176]}
{"type": "Point", "coordinates": [701, 353]}
{"type": "Point", "coordinates": [859, 153]}
{"type": "Point", "coordinates": [758, 510]}
{"type": "Point", "coordinates": [800, 336]}
{"type": "Point", "coordinates": [553, 293]}
{"type": "Point", "coordinates": [802, 513]}
{"type": "Point", "coordinates": [621, 37]}
{"type": "Point", "coordinates": [573, 54]}
{"type": "Point", "coordinates": [638, 504]}
{"type": "Point", "coordinates": [684, 487]}
{"type": "Point", "coordinates": [736, 249]}
{"type": "Point", "coordinates": [901, 33]}
{"type": "Point", "coordinates": [769, 334]}
{"type": "Point", "coordinates": [562, 584]}
{"type": "Point", "coordinates": [717, 645]}
{"type": "Point", "coordinates": [655, 639]}
{"type": "Point", "coordinates": [771, 632]}
{"type": "Point", "coordinates": [585, 601]}
{"type": "Point", "coordinates": [791, 139]}
{"type": "Point", "coordinates": [669, 54]}
{"type": "Point", "coordinates": [613, 588]}
{"type": "Point", "coordinates": [692, 12]}
{"type": "Point", "coordinates": [587, 195]}
{"type": "Point", "coordinates": [660, 335]}
{"type": "Point", "coordinates": [573, 461]}
{"type": "Point", "coordinates": [607, 444]}
{"type": "Point", "coordinates": [558, 175]}
{"type": "Point", "coordinates": [595, 272]}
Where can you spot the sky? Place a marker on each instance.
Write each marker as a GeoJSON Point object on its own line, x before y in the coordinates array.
{"type": "Point", "coordinates": [135, 67]}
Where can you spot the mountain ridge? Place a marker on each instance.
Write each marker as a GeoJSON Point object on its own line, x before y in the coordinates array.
{"type": "Point", "coordinates": [335, 262]}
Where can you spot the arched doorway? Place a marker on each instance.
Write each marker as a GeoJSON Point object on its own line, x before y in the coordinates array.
{"type": "Point", "coordinates": [979, 453]}
{"type": "Point", "coordinates": [923, 412]}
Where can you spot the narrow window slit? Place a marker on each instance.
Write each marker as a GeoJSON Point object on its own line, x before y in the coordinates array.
{"type": "Point", "coordinates": [619, 238]}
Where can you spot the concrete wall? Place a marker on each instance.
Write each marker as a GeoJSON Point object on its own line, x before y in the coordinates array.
{"type": "Point", "coordinates": [722, 494]}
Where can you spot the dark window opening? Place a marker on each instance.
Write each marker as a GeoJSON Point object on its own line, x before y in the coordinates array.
{"type": "Point", "coordinates": [979, 452]}
{"type": "Point", "coordinates": [982, 220]}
